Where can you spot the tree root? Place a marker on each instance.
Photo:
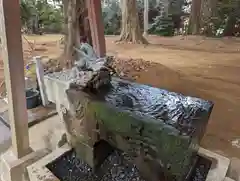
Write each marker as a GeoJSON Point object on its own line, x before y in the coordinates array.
{"type": "Point", "coordinates": [142, 40]}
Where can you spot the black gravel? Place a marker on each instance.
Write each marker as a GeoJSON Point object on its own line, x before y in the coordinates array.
{"type": "Point", "coordinates": [201, 170]}
{"type": "Point", "coordinates": [116, 167]}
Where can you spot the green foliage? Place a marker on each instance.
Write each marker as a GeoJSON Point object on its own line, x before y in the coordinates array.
{"type": "Point", "coordinates": [224, 19]}
{"type": "Point", "coordinates": [41, 14]}
{"type": "Point", "coordinates": [111, 13]}
{"type": "Point", "coordinates": [228, 17]}
{"type": "Point", "coordinates": [163, 25]}
{"type": "Point", "coordinates": [169, 19]}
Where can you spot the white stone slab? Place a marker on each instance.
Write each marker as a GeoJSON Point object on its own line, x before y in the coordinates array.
{"type": "Point", "coordinates": [219, 166]}
{"type": "Point", "coordinates": [39, 172]}
{"type": "Point", "coordinates": [55, 91]}
{"type": "Point", "coordinates": [13, 169]}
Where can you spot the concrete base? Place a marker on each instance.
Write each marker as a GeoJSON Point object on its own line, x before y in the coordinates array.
{"type": "Point", "coordinates": [13, 169]}
{"type": "Point", "coordinates": [39, 172]}
{"type": "Point", "coordinates": [219, 167]}
{"type": "Point", "coordinates": [234, 169]}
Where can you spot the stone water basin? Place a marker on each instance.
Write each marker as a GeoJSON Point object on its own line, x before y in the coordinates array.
{"type": "Point", "coordinates": [167, 126]}
{"type": "Point", "coordinates": [160, 129]}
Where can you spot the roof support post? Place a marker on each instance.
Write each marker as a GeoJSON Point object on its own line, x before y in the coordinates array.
{"type": "Point", "coordinates": [11, 41]}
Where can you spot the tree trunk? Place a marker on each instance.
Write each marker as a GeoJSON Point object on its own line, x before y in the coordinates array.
{"type": "Point", "coordinates": [71, 8]}
{"type": "Point", "coordinates": [71, 29]}
{"type": "Point", "coordinates": [146, 9]}
{"type": "Point", "coordinates": [208, 16]}
{"type": "Point", "coordinates": [130, 23]}
{"type": "Point", "coordinates": [84, 23]}
{"type": "Point", "coordinates": [230, 27]}
{"type": "Point", "coordinates": [194, 22]}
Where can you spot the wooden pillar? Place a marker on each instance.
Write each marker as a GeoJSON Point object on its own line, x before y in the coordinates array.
{"type": "Point", "coordinates": [146, 8]}
{"type": "Point", "coordinates": [40, 74]}
{"type": "Point", "coordinates": [14, 75]}
{"type": "Point", "coordinates": [97, 27]}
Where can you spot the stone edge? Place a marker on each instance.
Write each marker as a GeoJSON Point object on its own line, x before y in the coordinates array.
{"type": "Point", "coordinates": [13, 168]}
{"type": "Point", "coordinates": [39, 172]}
{"type": "Point", "coordinates": [219, 167]}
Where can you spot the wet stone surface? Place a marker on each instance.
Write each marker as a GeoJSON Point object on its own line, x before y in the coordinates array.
{"type": "Point", "coordinates": [186, 114]}
{"type": "Point", "coordinates": [117, 167]}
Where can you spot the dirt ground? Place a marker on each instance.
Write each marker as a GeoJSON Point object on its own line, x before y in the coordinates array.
{"type": "Point", "coordinates": [195, 66]}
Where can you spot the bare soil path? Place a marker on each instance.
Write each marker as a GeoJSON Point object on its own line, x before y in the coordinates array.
{"type": "Point", "coordinates": [203, 67]}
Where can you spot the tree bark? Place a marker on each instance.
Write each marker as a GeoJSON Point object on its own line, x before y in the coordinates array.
{"type": "Point", "coordinates": [130, 23]}
{"type": "Point", "coordinates": [84, 23]}
{"type": "Point", "coordinates": [146, 8]}
{"type": "Point", "coordinates": [208, 16]}
{"type": "Point", "coordinates": [194, 22]}
{"type": "Point", "coordinates": [71, 33]}
{"type": "Point", "coordinates": [71, 30]}
{"type": "Point", "coordinates": [230, 27]}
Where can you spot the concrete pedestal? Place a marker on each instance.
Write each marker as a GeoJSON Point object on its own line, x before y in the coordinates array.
{"type": "Point", "coordinates": [39, 172]}
{"type": "Point", "coordinates": [220, 165]}
{"type": "Point", "coordinates": [234, 169]}
{"type": "Point", "coordinates": [13, 169]}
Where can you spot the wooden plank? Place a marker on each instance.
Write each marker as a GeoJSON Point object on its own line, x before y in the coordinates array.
{"type": "Point", "coordinates": [40, 74]}
{"type": "Point", "coordinates": [14, 75]}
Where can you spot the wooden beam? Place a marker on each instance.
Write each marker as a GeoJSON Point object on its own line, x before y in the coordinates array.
{"type": "Point", "coordinates": [97, 27]}
{"type": "Point", "coordinates": [14, 75]}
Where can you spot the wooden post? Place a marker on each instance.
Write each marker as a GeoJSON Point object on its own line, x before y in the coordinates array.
{"type": "Point", "coordinates": [97, 27]}
{"type": "Point", "coordinates": [40, 74]}
{"type": "Point", "coordinates": [14, 75]}
{"type": "Point", "coordinates": [146, 8]}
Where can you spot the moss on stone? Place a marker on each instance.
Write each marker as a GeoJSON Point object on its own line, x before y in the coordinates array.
{"type": "Point", "coordinates": [160, 142]}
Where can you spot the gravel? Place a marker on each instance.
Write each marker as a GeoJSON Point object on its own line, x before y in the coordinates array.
{"type": "Point", "coordinates": [115, 168]}
{"type": "Point", "coordinates": [201, 170]}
